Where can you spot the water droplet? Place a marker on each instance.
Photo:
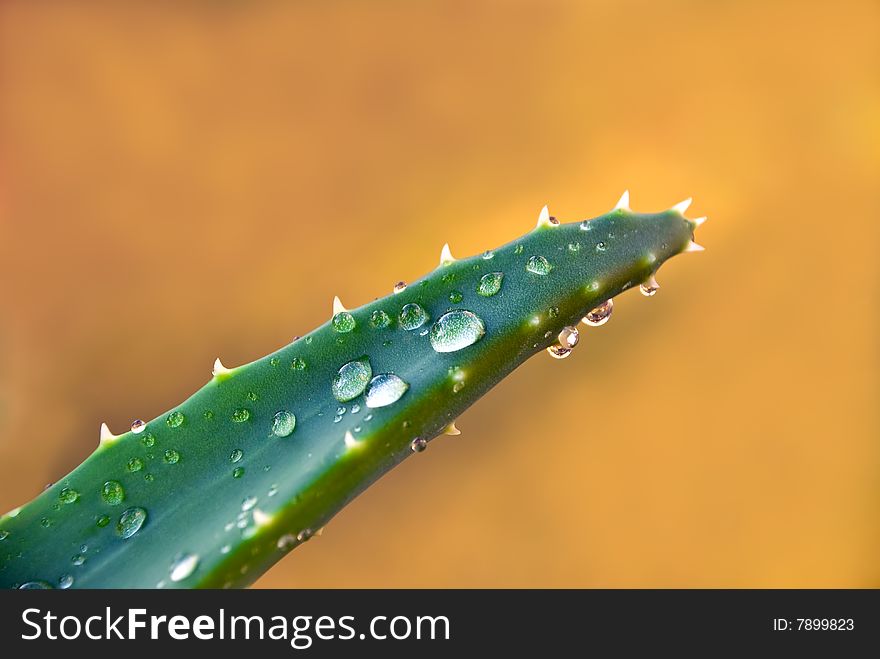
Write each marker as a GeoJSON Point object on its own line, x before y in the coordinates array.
{"type": "Point", "coordinates": [399, 287]}
{"type": "Point", "coordinates": [518, 249]}
{"type": "Point", "coordinates": [130, 522]}
{"type": "Point", "coordinates": [601, 314]}
{"type": "Point", "coordinates": [455, 297]}
{"type": "Point", "coordinates": [4, 535]}
{"type": "Point", "coordinates": [148, 440]}
{"type": "Point", "coordinates": [558, 351]}
{"type": "Point", "coordinates": [574, 247]}
{"type": "Point", "coordinates": [553, 312]}
{"type": "Point", "coordinates": [355, 408]}
{"type": "Point", "coordinates": [379, 319]}
{"type": "Point", "coordinates": [649, 288]}
{"type": "Point", "coordinates": [337, 419]}
{"type": "Point", "coordinates": [369, 417]}
{"type": "Point", "coordinates": [285, 541]}
{"type": "Point", "coordinates": [45, 522]}
{"type": "Point", "coordinates": [183, 566]}
{"type": "Point", "coordinates": [538, 265]}
{"type": "Point", "coordinates": [586, 226]}
{"type": "Point", "coordinates": [149, 478]}
{"type": "Point", "coordinates": [446, 278]}
{"type": "Point", "coordinates": [68, 495]}
{"type": "Point", "coordinates": [490, 284]}
{"type": "Point", "coordinates": [275, 361]}
{"type": "Point", "coordinates": [248, 503]}
{"type": "Point", "coordinates": [208, 415]}
{"type": "Point", "coordinates": [175, 419]}
{"type": "Point", "coordinates": [138, 426]}
{"type": "Point", "coordinates": [35, 585]}
{"type": "Point", "coordinates": [102, 521]}
{"type": "Point", "coordinates": [65, 582]}
{"type": "Point", "coordinates": [385, 389]}
{"type": "Point", "coordinates": [601, 246]}
{"type": "Point", "coordinates": [241, 415]}
{"type": "Point", "coordinates": [238, 472]}
{"type": "Point", "coordinates": [552, 219]}
{"type": "Point", "coordinates": [418, 445]}
{"type": "Point", "coordinates": [304, 535]}
{"type": "Point", "coordinates": [78, 559]}
{"type": "Point", "coordinates": [340, 410]}
{"type": "Point", "coordinates": [283, 423]}
{"type": "Point", "coordinates": [351, 379]}
{"type": "Point", "coordinates": [343, 322]}
{"type": "Point", "coordinates": [568, 337]}
{"type": "Point", "coordinates": [456, 330]}
{"type": "Point", "coordinates": [458, 386]}
{"type": "Point", "coordinates": [134, 464]}
{"type": "Point", "coordinates": [412, 316]}
{"type": "Point", "coordinates": [83, 548]}
{"type": "Point", "coordinates": [236, 455]}
{"type": "Point", "coordinates": [252, 396]}
{"type": "Point", "coordinates": [172, 456]}
{"type": "Point", "coordinates": [298, 364]}
{"type": "Point", "coordinates": [488, 254]}
{"type": "Point", "coordinates": [273, 490]}
{"type": "Point", "coordinates": [225, 549]}
{"type": "Point", "coordinates": [113, 493]}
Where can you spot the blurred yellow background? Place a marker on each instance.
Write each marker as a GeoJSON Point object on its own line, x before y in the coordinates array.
{"type": "Point", "coordinates": [185, 180]}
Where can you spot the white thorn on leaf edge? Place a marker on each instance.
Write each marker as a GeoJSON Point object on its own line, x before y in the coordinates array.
{"type": "Point", "coordinates": [698, 221]}
{"type": "Point", "coordinates": [544, 219]}
{"type": "Point", "coordinates": [682, 206]}
{"type": "Point", "coordinates": [219, 368]}
{"type": "Point", "coordinates": [694, 247]}
{"type": "Point", "coordinates": [446, 256]}
{"type": "Point", "coordinates": [338, 307]}
{"type": "Point", "coordinates": [451, 429]}
{"type": "Point", "coordinates": [106, 435]}
{"type": "Point", "coordinates": [623, 203]}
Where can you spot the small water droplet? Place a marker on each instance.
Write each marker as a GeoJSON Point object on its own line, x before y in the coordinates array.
{"type": "Point", "coordinates": [649, 288]}
{"type": "Point", "coordinates": [298, 363]}
{"type": "Point", "coordinates": [83, 548]}
{"type": "Point", "coordinates": [601, 314]}
{"type": "Point", "coordinates": [369, 417]}
{"type": "Point", "coordinates": [337, 419]}
{"type": "Point", "coordinates": [412, 316]}
{"type": "Point", "coordinates": [518, 249]}
{"type": "Point", "coordinates": [236, 455]}
{"type": "Point", "coordinates": [538, 265]}
{"type": "Point", "coordinates": [552, 219]}
{"type": "Point", "coordinates": [183, 566]}
{"type": "Point", "coordinates": [385, 389]}
{"type": "Point", "coordinates": [4, 534]}
{"type": "Point", "coordinates": [252, 396]}
{"type": "Point", "coordinates": [355, 408]}
{"type": "Point", "coordinates": [175, 419]}
{"type": "Point", "coordinates": [446, 278]}
{"type": "Point", "coordinates": [558, 351]}
{"type": "Point", "coordinates": [490, 284]}
{"type": "Point", "coordinates": [130, 522]}
{"type": "Point", "coordinates": [343, 322]}
{"type": "Point", "coordinates": [304, 535]}
{"type": "Point", "coordinates": [148, 440]}
{"type": "Point", "coordinates": [248, 503]}
{"type": "Point", "coordinates": [351, 379]}
{"type": "Point", "coordinates": [379, 319]}
{"type": "Point", "coordinates": [45, 522]}
{"type": "Point", "coordinates": [586, 226]}
{"type": "Point", "coordinates": [456, 330]}
{"type": "Point", "coordinates": [35, 585]}
{"type": "Point", "coordinates": [102, 521]}
{"type": "Point", "coordinates": [241, 415]}
{"type": "Point", "coordinates": [225, 549]}
{"type": "Point", "coordinates": [553, 312]}
{"type": "Point", "coordinates": [238, 472]}
{"type": "Point", "coordinates": [78, 559]}
{"type": "Point", "coordinates": [138, 426]}
{"type": "Point", "coordinates": [399, 287]}
{"type": "Point", "coordinates": [68, 495]}
{"type": "Point", "coordinates": [134, 464]}
{"type": "Point", "coordinates": [283, 423]}
{"type": "Point", "coordinates": [601, 246]}
{"type": "Point", "coordinates": [113, 493]}
{"type": "Point", "coordinates": [488, 254]}
{"type": "Point", "coordinates": [285, 541]}
{"type": "Point", "coordinates": [568, 337]}
{"type": "Point", "coordinates": [65, 582]}
{"type": "Point", "coordinates": [455, 297]}
{"type": "Point", "coordinates": [340, 410]}
{"type": "Point", "coordinates": [149, 478]}
{"type": "Point", "coordinates": [208, 415]}
{"type": "Point", "coordinates": [172, 456]}
{"type": "Point", "coordinates": [418, 445]}
{"type": "Point", "coordinates": [458, 386]}
{"type": "Point", "coordinates": [273, 490]}
{"type": "Point", "coordinates": [275, 361]}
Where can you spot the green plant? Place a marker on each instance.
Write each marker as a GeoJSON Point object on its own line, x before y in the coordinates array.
{"type": "Point", "coordinates": [259, 459]}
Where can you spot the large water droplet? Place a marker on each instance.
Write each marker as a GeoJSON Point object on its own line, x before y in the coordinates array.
{"type": "Point", "coordinates": [172, 456]}
{"type": "Point", "coordinates": [385, 389]}
{"type": "Point", "coordinates": [68, 495]}
{"type": "Point", "coordinates": [399, 287]}
{"type": "Point", "coordinates": [538, 265]}
{"type": "Point", "coordinates": [134, 464]}
{"type": "Point", "coordinates": [456, 330]}
{"type": "Point", "coordinates": [490, 284]}
{"type": "Point", "coordinates": [351, 379]}
{"type": "Point", "coordinates": [343, 322]}
{"type": "Point", "coordinates": [35, 585]}
{"type": "Point", "coordinates": [183, 566]}
{"type": "Point", "coordinates": [558, 351]}
{"type": "Point", "coordinates": [113, 493]}
{"type": "Point", "coordinates": [283, 423]}
{"type": "Point", "coordinates": [568, 337]}
{"type": "Point", "coordinates": [130, 522]}
{"type": "Point", "coordinates": [175, 419]}
{"type": "Point", "coordinates": [241, 415]}
{"type": "Point", "coordinates": [601, 314]}
{"type": "Point", "coordinates": [412, 316]}
{"type": "Point", "coordinates": [138, 426]}
{"type": "Point", "coordinates": [379, 319]}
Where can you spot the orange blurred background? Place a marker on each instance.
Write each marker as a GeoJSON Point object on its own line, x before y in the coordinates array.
{"type": "Point", "coordinates": [181, 182]}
